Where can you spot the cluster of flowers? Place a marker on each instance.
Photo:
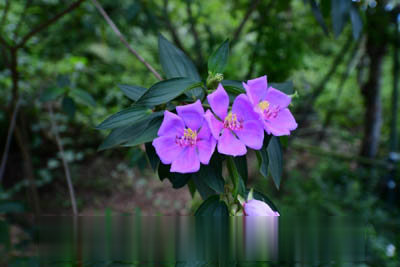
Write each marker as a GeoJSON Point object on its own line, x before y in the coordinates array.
{"type": "Point", "coordinates": [189, 137]}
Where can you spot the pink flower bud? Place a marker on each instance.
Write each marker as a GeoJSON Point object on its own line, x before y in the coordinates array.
{"type": "Point", "coordinates": [258, 208]}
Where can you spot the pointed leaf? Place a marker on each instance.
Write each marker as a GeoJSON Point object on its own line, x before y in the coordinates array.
{"type": "Point", "coordinates": [177, 180]}
{"type": "Point", "coordinates": [165, 91]}
{"type": "Point", "coordinates": [51, 94]}
{"type": "Point", "coordinates": [318, 15]}
{"type": "Point", "coordinates": [152, 156]}
{"type": "Point", "coordinates": [286, 87]}
{"type": "Point", "coordinates": [148, 134]}
{"type": "Point", "coordinates": [174, 62]}
{"type": "Point", "coordinates": [262, 156]}
{"type": "Point", "coordinates": [356, 22]}
{"type": "Point", "coordinates": [340, 14]}
{"type": "Point", "coordinates": [218, 60]}
{"type": "Point", "coordinates": [68, 106]}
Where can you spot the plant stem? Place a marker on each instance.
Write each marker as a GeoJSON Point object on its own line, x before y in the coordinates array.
{"type": "Point", "coordinates": [64, 160]}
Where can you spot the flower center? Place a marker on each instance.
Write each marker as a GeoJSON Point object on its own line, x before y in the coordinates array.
{"type": "Point", "coordinates": [263, 105]}
{"type": "Point", "coordinates": [189, 138]}
{"type": "Point", "coordinates": [268, 111]}
{"type": "Point", "coordinates": [231, 122]}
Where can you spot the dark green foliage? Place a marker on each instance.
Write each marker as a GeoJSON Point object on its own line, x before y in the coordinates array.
{"type": "Point", "coordinates": [132, 92]}
{"type": "Point", "coordinates": [218, 60]}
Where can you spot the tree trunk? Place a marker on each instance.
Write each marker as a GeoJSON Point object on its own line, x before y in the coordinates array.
{"type": "Point", "coordinates": [371, 89]}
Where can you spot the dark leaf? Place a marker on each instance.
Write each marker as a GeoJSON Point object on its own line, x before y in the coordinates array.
{"type": "Point", "coordinates": [138, 133]}
{"type": "Point", "coordinates": [286, 87]}
{"type": "Point", "coordinates": [212, 206]}
{"type": "Point", "coordinates": [218, 60]}
{"type": "Point", "coordinates": [211, 174]}
{"type": "Point", "coordinates": [241, 165]}
{"type": "Point", "coordinates": [165, 91]}
{"type": "Point", "coordinates": [11, 207]}
{"type": "Point", "coordinates": [235, 177]}
{"type": "Point", "coordinates": [125, 117]}
{"type": "Point", "coordinates": [148, 134]}
{"type": "Point", "coordinates": [275, 160]}
{"type": "Point", "coordinates": [152, 156]}
{"type": "Point", "coordinates": [174, 62]}
{"type": "Point", "coordinates": [177, 180]}
{"type": "Point", "coordinates": [262, 156]}
{"type": "Point", "coordinates": [234, 87]}
{"type": "Point", "coordinates": [133, 92]}
{"type": "Point", "coordinates": [68, 106]}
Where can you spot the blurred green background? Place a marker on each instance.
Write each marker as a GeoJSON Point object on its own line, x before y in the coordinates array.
{"type": "Point", "coordinates": [342, 161]}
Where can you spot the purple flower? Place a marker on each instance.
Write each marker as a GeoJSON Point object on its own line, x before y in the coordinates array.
{"type": "Point", "coordinates": [258, 208]}
{"type": "Point", "coordinates": [237, 128]}
{"type": "Point", "coordinates": [272, 105]}
{"type": "Point", "coordinates": [185, 139]}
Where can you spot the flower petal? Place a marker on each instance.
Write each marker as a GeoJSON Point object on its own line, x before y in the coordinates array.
{"type": "Point", "coordinates": [214, 125]}
{"type": "Point", "coordinates": [205, 149]}
{"type": "Point", "coordinates": [252, 134]}
{"type": "Point", "coordinates": [187, 161]}
{"type": "Point", "coordinates": [228, 144]}
{"type": "Point", "coordinates": [244, 109]}
{"type": "Point", "coordinates": [172, 125]}
{"type": "Point", "coordinates": [167, 149]}
{"type": "Point", "coordinates": [256, 89]}
{"type": "Point", "coordinates": [282, 124]}
{"type": "Point", "coordinates": [192, 114]}
{"type": "Point", "coordinates": [278, 98]}
{"type": "Point", "coordinates": [258, 208]}
{"type": "Point", "coordinates": [219, 102]}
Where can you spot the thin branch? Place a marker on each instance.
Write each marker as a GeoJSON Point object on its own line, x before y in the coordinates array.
{"type": "Point", "coordinates": [64, 160]}
{"type": "Point", "coordinates": [9, 139]}
{"type": "Point", "coordinates": [193, 30]}
{"type": "Point", "coordinates": [48, 23]}
{"type": "Point", "coordinates": [246, 17]}
{"type": "Point", "coordinates": [123, 39]}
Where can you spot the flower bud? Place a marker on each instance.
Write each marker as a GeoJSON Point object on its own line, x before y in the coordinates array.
{"type": "Point", "coordinates": [255, 207]}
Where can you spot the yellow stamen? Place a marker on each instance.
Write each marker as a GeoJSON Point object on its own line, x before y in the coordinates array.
{"type": "Point", "coordinates": [190, 134]}
{"type": "Point", "coordinates": [263, 105]}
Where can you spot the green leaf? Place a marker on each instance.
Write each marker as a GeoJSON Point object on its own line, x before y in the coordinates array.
{"type": "Point", "coordinates": [51, 94]}
{"type": "Point", "coordinates": [148, 134]}
{"type": "Point", "coordinates": [177, 180]}
{"type": "Point", "coordinates": [237, 180]}
{"type": "Point", "coordinates": [152, 156]}
{"type": "Point", "coordinates": [262, 156]}
{"type": "Point", "coordinates": [133, 92]}
{"type": "Point", "coordinates": [211, 174]}
{"type": "Point", "coordinates": [275, 160]}
{"type": "Point", "coordinates": [83, 97]}
{"type": "Point", "coordinates": [356, 22]}
{"type": "Point", "coordinates": [212, 206]}
{"type": "Point", "coordinates": [218, 60]}
{"type": "Point", "coordinates": [174, 62]}
{"type": "Point", "coordinates": [262, 197]}
{"type": "Point", "coordinates": [241, 165]}
{"type": "Point", "coordinates": [127, 116]}
{"type": "Point", "coordinates": [68, 106]}
{"type": "Point", "coordinates": [165, 91]}
{"type": "Point", "coordinates": [286, 87]}
{"type": "Point", "coordinates": [131, 135]}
